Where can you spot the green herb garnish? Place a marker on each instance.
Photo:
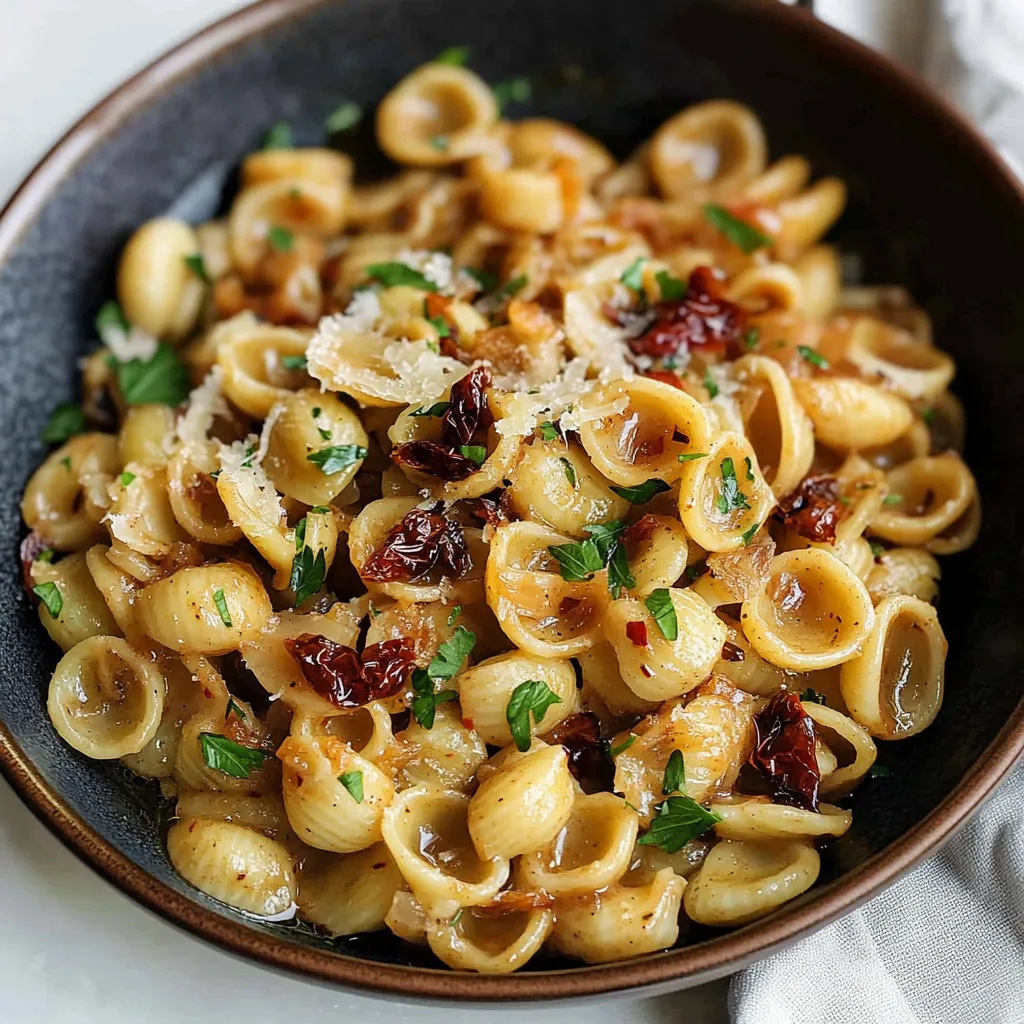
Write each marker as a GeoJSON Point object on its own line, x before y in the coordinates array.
{"type": "Point", "coordinates": [659, 604]}
{"type": "Point", "coordinates": [731, 499]}
{"type": "Point", "coordinates": [675, 774]}
{"type": "Point", "coordinates": [474, 452]}
{"type": "Point", "coordinates": [623, 746]}
{"type": "Point", "coordinates": [812, 357]}
{"type": "Point", "coordinates": [393, 273]}
{"type": "Point", "coordinates": [197, 265]}
{"type": "Point", "coordinates": [348, 115]}
{"type": "Point", "coordinates": [739, 232]}
{"type": "Point", "coordinates": [337, 457]}
{"type": "Point", "coordinates": [229, 757]}
{"type": "Point", "coordinates": [532, 697]}
{"type": "Point", "coordinates": [642, 493]}
{"type": "Point", "coordinates": [50, 595]}
{"type": "Point", "coordinates": [454, 55]}
{"type": "Point", "coordinates": [65, 422]}
{"type": "Point", "coordinates": [279, 137]}
{"type": "Point", "coordinates": [353, 782]}
{"type": "Point", "coordinates": [679, 819]}
{"type": "Point", "coordinates": [222, 606]}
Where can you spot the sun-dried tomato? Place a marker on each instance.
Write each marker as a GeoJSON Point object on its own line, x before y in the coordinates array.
{"type": "Point", "coordinates": [636, 633]}
{"type": "Point", "coordinates": [703, 317]}
{"type": "Point", "coordinates": [641, 530]}
{"type": "Point", "coordinates": [589, 760]}
{"type": "Point", "coordinates": [813, 509]}
{"type": "Point", "coordinates": [434, 459]}
{"type": "Point", "coordinates": [784, 751]}
{"type": "Point", "coordinates": [730, 652]}
{"type": "Point", "coordinates": [422, 540]}
{"type": "Point", "coordinates": [31, 548]}
{"type": "Point", "coordinates": [666, 377]}
{"type": "Point", "coordinates": [491, 511]}
{"type": "Point", "coordinates": [468, 410]}
{"type": "Point", "coordinates": [339, 675]}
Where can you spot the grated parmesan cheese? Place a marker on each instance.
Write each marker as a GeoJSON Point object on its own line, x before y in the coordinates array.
{"type": "Point", "coordinates": [205, 403]}
{"type": "Point", "coordinates": [723, 377]}
{"type": "Point", "coordinates": [135, 343]}
{"type": "Point", "coordinates": [436, 267]}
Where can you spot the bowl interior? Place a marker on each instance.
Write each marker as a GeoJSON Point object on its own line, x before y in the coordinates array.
{"type": "Point", "coordinates": [927, 210]}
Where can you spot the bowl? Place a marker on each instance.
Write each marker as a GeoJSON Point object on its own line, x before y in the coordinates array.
{"type": "Point", "coordinates": [931, 208]}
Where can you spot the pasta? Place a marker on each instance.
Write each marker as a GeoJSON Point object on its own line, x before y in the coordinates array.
{"type": "Point", "coordinates": [528, 552]}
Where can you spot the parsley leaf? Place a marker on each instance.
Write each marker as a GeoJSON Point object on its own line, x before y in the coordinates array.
{"type": "Point", "coordinates": [570, 472]}
{"type": "Point", "coordinates": [679, 820]}
{"type": "Point", "coordinates": [197, 265]}
{"type": "Point", "coordinates": [812, 357]}
{"type": "Point", "coordinates": [454, 614]}
{"type": "Point", "coordinates": [126, 478]}
{"type": "Point", "coordinates": [160, 380]}
{"type": "Point", "coordinates": [749, 463]}
{"type": "Point", "coordinates": [710, 386]}
{"type": "Point", "coordinates": [892, 499]}
{"type": "Point", "coordinates": [279, 137]}
{"type": "Point", "coordinates": [690, 456]}
{"type": "Point", "coordinates": [308, 571]}
{"type": "Point", "coordinates": [439, 142]}
{"type": "Point", "coordinates": [880, 771]}
{"type": "Point", "coordinates": [659, 604]}
{"type": "Point", "coordinates": [394, 273]}
{"type": "Point", "coordinates": [750, 339]}
{"type": "Point", "coordinates": [619, 576]}
{"type": "Point", "coordinates": [548, 431]}
{"type": "Point", "coordinates": [50, 595]}
{"type": "Point", "coordinates": [353, 782]}
{"type": "Point", "coordinates": [813, 696]}
{"type": "Point", "coordinates": [293, 362]}
{"type": "Point", "coordinates": [229, 757]}
{"type": "Point", "coordinates": [642, 493]}
{"type": "Point", "coordinates": [487, 281]}
{"type": "Point", "coordinates": [424, 703]}
{"type": "Point", "coordinates": [65, 422]}
{"type": "Point", "coordinates": [437, 409]}
{"type": "Point", "coordinates": [748, 535]}
{"type": "Point", "coordinates": [233, 708]}
{"type": "Point", "coordinates": [928, 415]}
{"type": "Point", "coordinates": [675, 774]}
{"type": "Point", "coordinates": [348, 115]}
{"type": "Point", "coordinates": [513, 287]}
{"type": "Point", "coordinates": [605, 536]}
{"type": "Point", "coordinates": [622, 747]}
{"type": "Point", "coordinates": [877, 549]}
{"type": "Point", "coordinates": [671, 288]}
{"type": "Point", "coordinates": [222, 606]}
{"type": "Point", "coordinates": [532, 697]}
{"type": "Point", "coordinates": [739, 232]}
{"type": "Point", "coordinates": [440, 325]}
{"type": "Point", "coordinates": [633, 276]}
{"type": "Point", "coordinates": [578, 561]}
{"type": "Point", "coordinates": [337, 457]}
{"type": "Point", "coordinates": [280, 239]}
{"type": "Point", "coordinates": [451, 654]}
{"type": "Point", "coordinates": [455, 55]}
{"type": "Point", "coordinates": [515, 90]}
{"type": "Point", "coordinates": [731, 499]}
{"type": "Point", "coordinates": [474, 452]}
{"type": "Point", "coordinates": [111, 316]}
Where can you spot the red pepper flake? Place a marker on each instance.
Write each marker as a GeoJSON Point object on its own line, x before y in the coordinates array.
{"type": "Point", "coordinates": [730, 652]}
{"type": "Point", "coordinates": [339, 675]}
{"type": "Point", "coordinates": [784, 751]}
{"type": "Point", "coordinates": [467, 723]}
{"type": "Point", "coordinates": [636, 633]}
{"type": "Point", "coordinates": [813, 509]}
{"type": "Point", "coordinates": [589, 759]}
{"type": "Point", "coordinates": [702, 318]}
{"type": "Point", "coordinates": [31, 548]}
{"type": "Point", "coordinates": [647, 673]}
{"type": "Point", "coordinates": [422, 541]}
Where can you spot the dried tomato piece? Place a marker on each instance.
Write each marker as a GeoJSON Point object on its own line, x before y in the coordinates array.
{"type": "Point", "coordinates": [636, 633]}
{"type": "Point", "coordinates": [667, 377]}
{"type": "Point", "coordinates": [589, 759]}
{"type": "Point", "coordinates": [784, 751]}
{"type": "Point", "coordinates": [468, 410]}
{"type": "Point", "coordinates": [703, 317]}
{"type": "Point", "coordinates": [642, 529]}
{"type": "Point", "coordinates": [434, 459]}
{"type": "Point", "coordinates": [338, 674]}
{"type": "Point", "coordinates": [387, 665]}
{"type": "Point", "coordinates": [422, 540]}
{"type": "Point", "coordinates": [813, 509]}
{"type": "Point", "coordinates": [730, 652]}
{"type": "Point", "coordinates": [494, 513]}
{"type": "Point", "coordinates": [31, 548]}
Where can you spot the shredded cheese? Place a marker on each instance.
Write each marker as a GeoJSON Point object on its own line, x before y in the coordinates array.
{"type": "Point", "coordinates": [205, 403]}
{"type": "Point", "coordinates": [436, 267]}
{"type": "Point", "coordinates": [135, 343]}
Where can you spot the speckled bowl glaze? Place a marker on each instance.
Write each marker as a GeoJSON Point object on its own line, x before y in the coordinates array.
{"type": "Point", "coordinates": [931, 208]}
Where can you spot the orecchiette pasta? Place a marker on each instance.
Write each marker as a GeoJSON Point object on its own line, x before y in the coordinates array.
{"type": "Point", "coordinates": [461, 550]}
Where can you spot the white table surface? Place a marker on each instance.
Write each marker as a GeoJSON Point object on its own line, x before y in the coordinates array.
{"type": "Point", "coordinates": [72, 948]}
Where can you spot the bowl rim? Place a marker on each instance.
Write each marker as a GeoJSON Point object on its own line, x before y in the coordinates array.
{"type": "Point", "coordinates": [658, 972]}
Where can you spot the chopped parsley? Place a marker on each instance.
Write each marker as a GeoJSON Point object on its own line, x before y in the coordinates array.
{"type": "Point", "coordinates": [353, 782]}
{"type": "Point", "coordinates": [814, 358]}
{"type": "Point", "coordinates": [487, 281]}
{"type": "Point", "coordinates": [50, 595]}
{"type": "Point", "coordinates": [570, 472]}
{"type": "Point", "coordinates": [453, 923]}
{"type": "Point", "coordinates": [619, 576]}
{"type": "Point", "coordinates": [111, 317]}
{"type": "Point", "coordinates": [642, 493]}
{"type": "Point", "coordinates": [671, 288]}
{"type": "Point", "coordinates": [279, 137]}
{"type": "Point", "coordinates": [892, 499]}
{"type": "Point", "coordinates": [515, 90]}
{"type": "Point", "coordinates": [659, 604]}
{"type": "Point", "coordinates": [160, 380]}
{"type": "Point", "coordinates": [750, 467]}
{"type": "Point", "coordinates": [622, 747]}
{"type": "Point", "coordinates": [393, 273]}
{"type": "Point", "coordinates": [197, 265]}
{"type": "Point", "coordinates": [66, 462]}
{"type": "Point", "coordinates": [748, 535]}
{"type": "Point", "coordinates": [454, 55]}
{"type": "Point", "coordinates": [548, 431]}
{"type": "Point", "coordinates": [229, 757]}
{"type": "Point", "coordinates": [65, 422]}
{"type": "Point", "coordinates": [579, 561]}
{"type": "Point", "coordinates": [439, 142]}
{"type": "Point", "coordinates": [294, 363]}
{"type": "Point", "coordinates": [337, 457]}
{"type": "Point", "coordinates": [928, 415]}
{"type": "Point", "coordinates": [280, 239]}
{"type": "Point", "coordinates": [675, 774]}
{"type": "Point", "coordinates": [348, 115]}
{"type": "Point", "coordinates": [633, 276]}
{"type": "Point", "coordinates": [812, 696]}
{"type": "Point", "coordinates": [679, 819]}
{"type": "Point", "coordinates": [532, 697]}
{"type": "Point", "coordinates": [710, 386]}
{"type": "Point", "coordinates": [437, 409]}
{"type": "Point", "coordinates": [126, 478]}
{"type": "Point", "coordinates": [309, 570]}
{"type": "Point", "coordinates": [448, 660]}
{"type": "Point", "coordinates": [440, 325]}
{"type": "Point", "coordinates": [454, 614]}
{"type": "Point", "coordinates": [739, 232]}
{"type": "Point", "coordinates": [877, 549]}
{"type": "Point", "coordinates": [690, 456]}
{"type": "Point", "coordinates": [222, 606]}
{"type": "Point", "coordinates": [880, 771]}
{"type": "Point", "coordinates": [751, 337]}
{"type": "Point", "coordinates": [474, 452]}
{"type": "Point", "coordinates": [732, 499]}
{"type": "Point", "coordinates": [234, 709]}
{"type": "Point", "coordinates": [512, 288]}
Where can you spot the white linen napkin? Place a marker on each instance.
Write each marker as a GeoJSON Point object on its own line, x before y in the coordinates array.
{"type": "Point", "coordinates": [945, 944]}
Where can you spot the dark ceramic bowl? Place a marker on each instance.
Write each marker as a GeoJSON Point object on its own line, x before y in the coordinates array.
{"type": "Point", "coordinates": [931, 207]}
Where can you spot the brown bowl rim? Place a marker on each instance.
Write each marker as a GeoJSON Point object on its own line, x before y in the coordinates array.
{"type": "Point", "coordinates": [659, 972]}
